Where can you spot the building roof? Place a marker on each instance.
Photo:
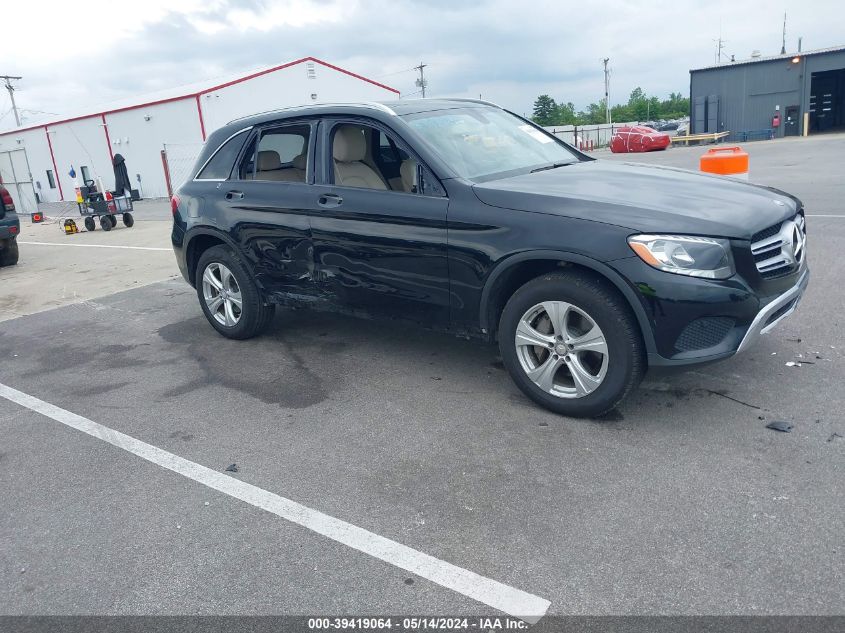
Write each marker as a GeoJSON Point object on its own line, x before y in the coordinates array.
{"type": "Point", "coordinates": [177, 93]}
{"type": "Point", "coordinates": [770, 58]}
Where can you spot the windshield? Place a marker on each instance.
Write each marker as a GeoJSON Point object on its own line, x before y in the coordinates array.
{"type": "Point", "coordinates": [488, 143]}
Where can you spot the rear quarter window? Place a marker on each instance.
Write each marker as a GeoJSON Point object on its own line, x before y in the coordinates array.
{"type": "Point", "coordinates": [220, 165]}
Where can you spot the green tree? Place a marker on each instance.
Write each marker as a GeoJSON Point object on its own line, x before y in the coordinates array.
{"type": "Point", "coordinates": [638, 104]}
{"type": "Point", "coordinates": [545, 110]}
{"type": "Point", "coordinates": [675, 106]}
{"type": "Point", "coordinates": [566, 114]}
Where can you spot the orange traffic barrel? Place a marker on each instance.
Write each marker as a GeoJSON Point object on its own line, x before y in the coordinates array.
{"type": "Point", "coordinates": [725, 161]}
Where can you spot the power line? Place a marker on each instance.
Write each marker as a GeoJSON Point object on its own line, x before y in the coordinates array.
{"type": "Point", "coordinates": [11, 89]}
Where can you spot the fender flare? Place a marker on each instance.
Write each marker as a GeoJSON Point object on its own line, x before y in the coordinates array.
{"type": "Point", "coordinates": [572, 258]}
{"type": "Point", "coordinates": [204, 229]}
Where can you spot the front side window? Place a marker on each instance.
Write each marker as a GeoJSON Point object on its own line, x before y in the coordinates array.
{"type": "Point", "coordinates": [280, 154]}
{"type": "Point", "coordinates": [368, 158]}
{"type": "Point", "coordinates": [220, 165]}
{"type": "Point", "coordinates": [485, 143]}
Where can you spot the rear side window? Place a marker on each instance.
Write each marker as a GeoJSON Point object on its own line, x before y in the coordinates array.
{"type": "Point", "coordinates": [220, 165]}
{"type": "Point", "coordinates": [281, 156]}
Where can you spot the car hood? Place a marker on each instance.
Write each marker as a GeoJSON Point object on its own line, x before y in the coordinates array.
{"type": "Point", "coordinates": [644, 198]}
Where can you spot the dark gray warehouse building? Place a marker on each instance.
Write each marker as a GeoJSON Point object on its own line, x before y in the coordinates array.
{"type": "Point", "coordinates": [769, 96]}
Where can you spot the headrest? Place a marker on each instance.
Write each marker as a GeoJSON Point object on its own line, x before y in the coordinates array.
{"type": "Point", "coordinates": [349, 144]}
{"type": "Point", "coordinates": [300, 162]}
{"type": "Point", "coordinates": [408, 172]}
{"type": "Point", "coordinates": [269, 160]}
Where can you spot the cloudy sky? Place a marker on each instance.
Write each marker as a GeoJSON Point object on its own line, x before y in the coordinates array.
{"type": "Point", "coordinates": [82, 54]}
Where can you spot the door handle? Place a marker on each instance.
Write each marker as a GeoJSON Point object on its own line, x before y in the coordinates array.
{"type": "Point", "coordinates": [234, 195]}
{"type": "Point", "coordinates": [330, 200]}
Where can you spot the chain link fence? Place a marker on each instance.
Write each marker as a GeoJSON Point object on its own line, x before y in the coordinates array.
{"type": "Point", "coordinates": [587, 137]}
{"type": "Point", "coordinates": [178, 159]}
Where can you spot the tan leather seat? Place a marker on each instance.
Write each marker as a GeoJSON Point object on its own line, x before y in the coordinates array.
{"type": "Point", "coordinates": [270, 168]}
{"type": "Point", "coordinates": [408, 172]}
{"type": "Point", "coordinates": [349, 150]}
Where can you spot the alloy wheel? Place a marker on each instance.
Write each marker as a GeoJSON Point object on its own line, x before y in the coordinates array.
{"type": "Point", "coordinates": [222, 294]}
{"type": "Point", "coordinates": [562, 349]}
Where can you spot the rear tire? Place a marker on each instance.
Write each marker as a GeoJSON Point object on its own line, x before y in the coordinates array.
{"type": "Point", "coordinates": [9, 255]}
{"type": "Point", "coordinates": [222, 280]}
{"type": "Point", "coordinates": [578, 340]}
{"type": "Point", "coordinates": [128, 220]}
{"type": "Point", "coordinates": [105, 223]}
{"type": "Point", "coordinates": [90, 225]}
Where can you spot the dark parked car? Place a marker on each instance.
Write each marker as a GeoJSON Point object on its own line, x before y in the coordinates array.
{"type": "Point", "coordinates": [10, 226]}
{"type": "Point", "coordinates": [461, 216]}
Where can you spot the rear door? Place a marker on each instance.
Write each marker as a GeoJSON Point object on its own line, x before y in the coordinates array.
{"type": "Point", "coordinates": [266, 202]}
{"type": "Point", "coordinates": [381, 247]}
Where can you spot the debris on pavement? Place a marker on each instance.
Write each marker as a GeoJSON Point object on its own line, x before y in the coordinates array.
{"type": "Point", "coordinates": [780, 425]}
{"type": "Point", "coordinates": [793, 364]}
{"type": "Point", "coordinates": [232, 468]}
{"type": "Point", "coordinates": [834, 436]}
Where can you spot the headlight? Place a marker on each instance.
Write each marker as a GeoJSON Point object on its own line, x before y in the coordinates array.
{"type": "Point", "coordinates": [685, 255]}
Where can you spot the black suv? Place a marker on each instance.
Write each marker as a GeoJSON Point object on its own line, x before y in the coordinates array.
{"type": "Point", "coordinates": [461, 216]}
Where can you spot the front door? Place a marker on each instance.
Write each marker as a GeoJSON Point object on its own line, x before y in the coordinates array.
{"type": "Point", "coordinates": [792, 126]}
{"type": "Point", "coordinates": [379, 232]}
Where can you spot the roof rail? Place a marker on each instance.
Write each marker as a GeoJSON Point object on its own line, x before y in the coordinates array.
{"type": "Point", "coordinates": [362, 104]}
{"type": "Point", "coordinates": [481, 101]}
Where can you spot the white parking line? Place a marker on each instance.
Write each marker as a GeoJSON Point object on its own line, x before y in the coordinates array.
{"type": "Point", "coordinates": [823, 215]}
{"type": "Point", "coordinates": [507, 599]}
{"type": "Point", "coordinates": [134, 248]}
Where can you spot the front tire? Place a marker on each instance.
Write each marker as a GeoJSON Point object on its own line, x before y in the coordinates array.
{"type": "Point", "coordinates": [229, 297]}
{"type": "Point", "coordinates": [571, 344]}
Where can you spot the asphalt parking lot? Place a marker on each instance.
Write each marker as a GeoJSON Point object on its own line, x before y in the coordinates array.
{"type": "Point", "coordinates": [680, 502]}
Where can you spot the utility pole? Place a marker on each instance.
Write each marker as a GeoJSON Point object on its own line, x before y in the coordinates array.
{"type": "Point", "coordinates": [421, 83]}
{"type": "Point", "coordinates": [783, 46]}
{"type": "Point", "coordinates": [720, 45]}
{"type": "Point", "coordinates": [606, 89]}
{"type": "Point", "coordinates": [11, 89]}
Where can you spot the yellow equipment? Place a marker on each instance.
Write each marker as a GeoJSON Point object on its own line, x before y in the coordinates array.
{"type": "Point", "coordinates": [70, 227]}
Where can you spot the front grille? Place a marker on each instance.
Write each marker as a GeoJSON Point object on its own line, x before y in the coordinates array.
{"type": "Point", "coordinates": [761, 235]}
{"type": "Point", "coordinates": [703, 333]}
{"type": "Point", "coordinates": [779, 249]}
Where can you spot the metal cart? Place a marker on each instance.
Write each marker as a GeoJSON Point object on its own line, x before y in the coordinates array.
{"type": "Point", "coordinates": [94, 206]}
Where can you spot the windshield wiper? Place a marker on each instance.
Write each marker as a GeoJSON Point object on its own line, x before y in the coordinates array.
{"type": "Point", "coordinates": [552, 166]}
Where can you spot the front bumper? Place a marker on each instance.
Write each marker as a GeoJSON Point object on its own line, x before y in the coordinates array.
{"type": "Point", "coordinates": [694, 320]}
{"type": "Point", "coordinates": [775, 312]}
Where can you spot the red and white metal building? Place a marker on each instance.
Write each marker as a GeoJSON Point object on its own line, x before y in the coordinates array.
{"type": "Point", "coordinates": [178, 119]}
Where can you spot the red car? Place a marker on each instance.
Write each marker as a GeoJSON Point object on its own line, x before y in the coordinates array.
{"type": "Point", "coordinates": [638, 139]}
